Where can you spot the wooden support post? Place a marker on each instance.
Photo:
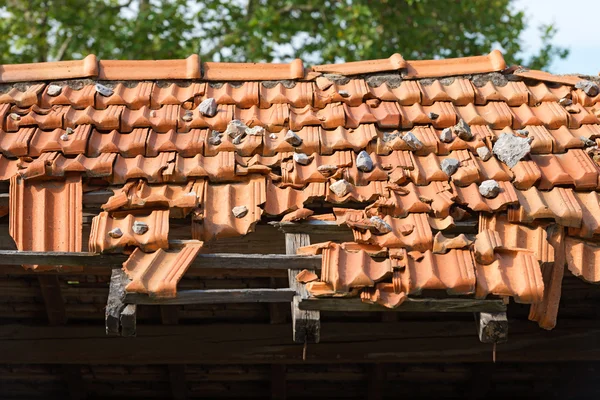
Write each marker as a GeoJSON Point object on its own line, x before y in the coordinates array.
{"type": "Point", "coordinates": [120, 317]}
{"type": "Point", "coordinates": [278, 384]}
{"type": "Point", "coordinates": [306, 325]}
{"type": "Point", "coordinates": [492, 327]}
{"type": "Point", "coordinates": [55, 305]}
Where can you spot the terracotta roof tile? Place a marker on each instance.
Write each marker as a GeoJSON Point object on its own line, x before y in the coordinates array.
{"type": "Point", "coordinates": [171, 94]}
{"type": "Point", "coordinates": [394, 63]}
{"type": "Point", "coordinates": [245, 95]}
{"type": "Point", "coordinates": [251, 71]}
{"type": "Point", "coordinates": [513, 93]}
{"type": "Point", "coordinates": [68, 96]}
{"type": "Point", "coordinates": [547, 77]}
{"type": "Point", "coordinates": [25, 98]}
{"type": "Point", "coordinates": [126, 144]}
{"type": "Point", "coordinates": [408, 93]}
{"type": "Point", "coordinates": [149, 69]}
{"type": "Point", "coordinates": [456, 66]}
{"type": "Point", "coordinates": [134, 97]}
{"type": "Point", "coordinates": [72, 143]}
{"type": "Point", "coordinates": [583, 259]}
{"type": "Point", "coordinates": [158, 273]}
{"type": "Point", "coordinates": [88, 67]}
{"type": "Point", "coordinates": [16, 144]}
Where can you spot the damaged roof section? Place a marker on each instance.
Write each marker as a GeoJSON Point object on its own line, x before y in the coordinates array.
{"type": "Point", "coordinates": [459, 175]}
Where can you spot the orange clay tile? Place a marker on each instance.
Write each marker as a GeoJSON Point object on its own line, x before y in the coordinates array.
{"type": "Point", "coordinates": [542, 92]}
{"type": "Point", "coordinates": [471, 197]}
{"type": "Point", "coordinates": [559, 204]}
{"type": "Point", "coordinates": [219, 168]}
{"type": "Point", "coordinates": [174, 94]}
{"type": "Point", "coordinates": [306, 276]}
{"type": "Point", "coordinates": [298, 215]}
{"type": "Point", "coordinates": [158, 273]}
{"type": "Point", "coordinates": [543, 141]}
{"type": "Point", "coordinates": [75, 143]}
{"type": "Point", "coordinates": [300, 95]}
{"type": "Point", "coordinates": [460, 92]}
{"type": "Point", "coordinates": [547, 77]}
{"type": "Point", "coordinates": [383, 294]}
{"type": "Point", "coordinates": [161, 120]}
{"type": "Point", "coordinates": [77, 98]}
{"type": "Point", "coordinates": [486, 242]}
{"type": "Point", "coordinates": [345, 270]}
{"type": "Point", "coordinates": [88, 67]}
{"type": "Point", "coordinates": [46, 216]}
{"type": "Point", "coordinates": [58, 165]}
{"type": "Point", "coordinates": [551, 114]}
{"type": "Point", "coordinates": [495, 113]}
{"type": "Point", "coordinates": [514, 273]}
{"type": "Point", "coordinates": [105, 120]}
{"type": "Point", "coordinates": [354, 93]}
{"type": "Point", "coordinates": [518, 236]}
{"type": "Point", "coordinates": [23, 99]}
{"type": "Point", "coordinates": [249, 146]}
{"type": "Point", "coordinates": [366, 193]}
{"type": "Point", "coordinates": [452, 272]}
{"type": "Point", "coordinates": [456, 66]}
{"type": "Point", "coordinates": [273, 119]}
{"type": "Point", "coordinates": [513, 93]}
{"type": "Point", "coordinates": [408, 93]}
{"type": "Point", "coordinates": [219, 71]}
{"type": "Point", "coordinates": [346, 139]}
{"type": "Point", "coordinates": [590, 208]}
{"type": "Point", "coordinates": [133, 97]}
{"type": "Point", "coordinates": [141, 167]}
{"type": "Point", "coordinates": [126, 144]}
{"type": "Point", "coordinates": [186, 144]}
{"type": "Point", "coordinates": [386, 115]}
{"type": "Point", "coordinates": [394, 63]}
{"type": "Point", "coordinates": [15, 144]}
{"type": "Point", "coordinates": [574, 167]}
{"type": "Point", "coordinates": [150, 69]}
{"type": "Point", "coordinates": [180, 199]}
{"type": "Point", "coordinates": [580, 97]}
{"type": "Point", "coordinates": [564, 139]}
{"type": "Point", "coordinates": [280, 200]}
{"type": "Point", "coordinates": [526, 174]}
{"type": "Point", "coordinates": [583, 259]}
{"type": "Point", "coordinates": [114, 235]}
{"type": "Point", "coordinates": [44, 119]}
{"type": "Point", "coordinates": [243, 95]}
{"type": "Point", "coordinates": [218, 219]}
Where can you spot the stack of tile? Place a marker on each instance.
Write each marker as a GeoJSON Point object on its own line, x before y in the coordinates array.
{"type": "Point", "coordinates": [458, 175]}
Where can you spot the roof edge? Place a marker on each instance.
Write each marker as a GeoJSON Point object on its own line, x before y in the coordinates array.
{"type": "Point", "coordinates": [492, 62]}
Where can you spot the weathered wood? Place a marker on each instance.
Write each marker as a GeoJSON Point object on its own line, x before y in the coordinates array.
{"type": "Point", "coordinates": [278, 383]}
{"type": "Point", "coordinates": [402, 342]}
{"type": "Point", "coordinates": [492, 327]}
{"type": "Point", "coordinates": [128, 320]}
{"type": "Point", "coordinates": [93, 199]}
{"type": "Point", "coordinates": [169, 315]}
{"type": "Point", "coordinates": [177, 381]}
{"type": "Point", "coordinates": [376, 381]}
{"type": "Point", "coordinates": [278, 312]}
{"type": "Point", "coordinates": [217, 260]}
{"type": "Point", "coordinates": [306, 325]}
{"type": "Point", "coordinates": [115, 304]}
{"type": "Point", "coordinates": [55, 305]}
{"type": "Point", "coordinates": [307, 227]}
{"type": "Point", "coordinates": [409, 305]}
{"type": "Point", "coordinates": [216, 296]}
{"type": "Point", "coordinates": [75, 385]}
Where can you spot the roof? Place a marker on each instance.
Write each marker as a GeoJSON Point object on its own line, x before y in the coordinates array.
{"type": "Point", "coordinates": [461, 175]}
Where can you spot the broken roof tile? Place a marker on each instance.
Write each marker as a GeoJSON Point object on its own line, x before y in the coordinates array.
{"type": "Point", "coordinates": [583, 259]}
{"type": "Point", "coordinates": [158, 273]}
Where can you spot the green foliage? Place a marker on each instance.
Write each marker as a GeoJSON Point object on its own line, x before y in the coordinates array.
{"type": "Point", "coordinates": [265, 30]}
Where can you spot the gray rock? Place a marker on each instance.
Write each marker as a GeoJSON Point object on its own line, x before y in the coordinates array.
{"type": "Point", "coordinates": [446, 136]}
{"type": "Point", "coordinates": [380, 224]}
{"type": "Point", "coordinates": [235, 128]}
{"type": "Point", "coordinates": [589, 87]}
{"type": "Point", "coordinates": [364, 162]}
{"type": "Point", "coordinates": [292, 138]}
{"type": "Point", "coordinates": [327, 169]}
{"type": "Point", "coordinates": [15, 116]}
{"type": "Point", "coordinates": [587, 142]}
{"type": "Point", "coordinates": [139, 228]}
{"type": "Point", "coordinates": [64, 137]}
{"type": "Point", "coordinates": [462, 130]}
{"type": "Point", "coordinates": [450, 166]}
{"type": "Point", "coordinates": [215, 138]}
{"type": "Point", "coordinates": [187, 116]}
{"type": "Point", "coordinates": [115, 233]}
{"type": "Point", "coordinates": [341, 187]}
{"type": "Point", "coordinates": [69, 131]}
{"type": "Point", "coordinates": [273, 136]}
{"type": "Point", "coordinates": [484, 153]}
{"type": "Point", "coordinates": [238, 139]}
{"type": "Point", "coordinates": [510, 149]}
{"type": "Point", "coordinates": [433, 115]}
{"type": "Point", "coordinates": [208, 107]}
{"type": "Point", "coordinates": [489, 189]}
{"type": "Point", "coordinates": [565, 102]}
{"type": "Point", "coordinates": [239, 211]}
{"type": "Point", "coordinates": [522, 132]}
{"type": "Point", "coordinates": [412, 141]}
{"type": "Point", "coordinates": [54, 90]}
{"type": "Point", "coordinates": [344, 93]}
{"type": "Point", "coordinates": [255, 131]}
{"type": "Point", "coordinates": [302, 158]}
{"type": "Point", "coordinates": [104, 90]}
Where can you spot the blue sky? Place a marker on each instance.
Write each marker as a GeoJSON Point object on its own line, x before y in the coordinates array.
{"type": "Point", "coordinates": [577, 25]}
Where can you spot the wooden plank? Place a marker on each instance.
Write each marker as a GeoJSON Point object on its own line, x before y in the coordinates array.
{"type": "Point", "coordinates": [278, 312]}
{"type": "Point", "coordinates": [75, 384]}
{"type": "Point", "coordinates": [306, 324]}
{"type": "Point", "coordinates": [492, 327]}
{"type": "Point", "coordinates": [216, 260]}
{"type": "Point", "coordinates": [178, 381]}
{"type": "Point", "coordinates": [169, 315]}
{"type": "Point", "coordinates": [115, 304]}
{"type": "Point", "coordinates": [407, 341]}
{"type": "Point", "coordinates": [376, 381]}
{"type": "Point", "coordinates": [409, 305]}
{"type": "Point", "coordinates": [278, 382]}
{"type": "Point", "coordinates": [53, 300]}
{"type": "Point", "coordinates": [308, 227]}
{"type": "Point", "coordinates": [128, 320]}
{"type": "Point", "coordinates": [216, 296]}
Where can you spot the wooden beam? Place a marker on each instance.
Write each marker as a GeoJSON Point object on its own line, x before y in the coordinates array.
{"type": "Point", "coordinates": [115, 304]}
{"type": "Point", "coordinates": [178, 381]}
{"type": "Point", "coordinates": [409, 305]}
{"type": "Point", "coordinates": [278, 312]}
{"type": "Point", "coordinates": [216, 260]}
{"type": "Point", "coordinates": [75, 383]}
{"type": "Point", "coordinates": [376, 381]}
{"type": "Point", "coordinates": [169, 315]}
{"type": "Point", "coordinates": [407, 341]}
{"type": "Point", "coordinates": [313, 226]}
{"type": "Point", "coordinates": [492, 327]}
{"type": "Point", "coordinates": [278, 383]}
{"type": "Point", "coordinates": [216, 296]}
{"type": "Point", "coordinates": [306, 324]}
{"type": "Point", "coordinates": [53, 300]}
